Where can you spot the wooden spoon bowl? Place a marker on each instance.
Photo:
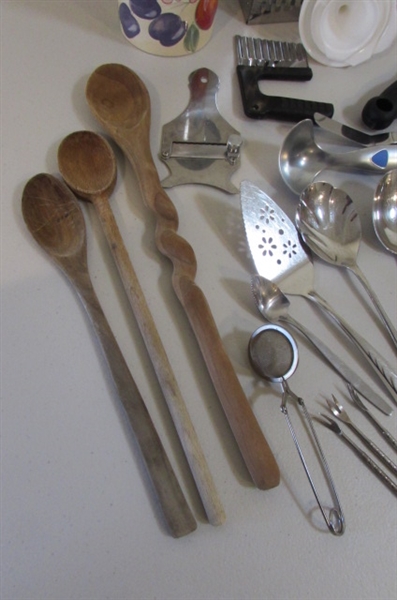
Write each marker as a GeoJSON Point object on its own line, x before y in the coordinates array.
{"type": "Point", "coordinates": [121, 103]}
{"type": "Point", "coordinates": [59, 226]}
{"type": "Point", "coordinates": [87, 164]}
{"type": "Point", "coordinates": [55, 219]}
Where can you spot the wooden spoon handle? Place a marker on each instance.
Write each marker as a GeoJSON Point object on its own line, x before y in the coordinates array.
{"type": "Point", "coordinates": [121, 102]}
{"type": "Point", "coordinates": [250, 439]}
{"type": "Point", "coordinates": [176, 511]}
{"type": "Point", "coordinates": [162, 367]}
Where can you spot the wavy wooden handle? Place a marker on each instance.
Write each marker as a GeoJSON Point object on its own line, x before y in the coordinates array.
{"type": "Point", "coordinates": [121, 103]}
{"type": "Point", "coordinates": [250, 439]}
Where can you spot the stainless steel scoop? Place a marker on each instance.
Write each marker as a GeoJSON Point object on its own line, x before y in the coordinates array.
{"type": "Point", "coordinates": [274, 355]}
{"type": "Point", "coordinates": [384, 211]}
{"type": "Point", "coordinates": [301, 160]}
{"type": "Point", "coordinates": [329, 224]}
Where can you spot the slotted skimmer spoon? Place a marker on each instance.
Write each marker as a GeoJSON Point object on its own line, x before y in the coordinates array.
{"type": "Point", "coordinates": [273, 354]}
{"type": "Point", "coordinates": [279, 256]}
{"type": "Point", "coordinates": [329, 224]}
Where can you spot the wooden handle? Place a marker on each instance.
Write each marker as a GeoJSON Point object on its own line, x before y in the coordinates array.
{"type": "Point", "coordinates": [253, 446]}
{"type": "Point", "coordinates": [162, 367]}
{"type": "Point", "coordinates": [176, 511]}
{"type": "Point", "coordinates": [121, 103]}
{"type": "Point", "coordinates": [250, 439]}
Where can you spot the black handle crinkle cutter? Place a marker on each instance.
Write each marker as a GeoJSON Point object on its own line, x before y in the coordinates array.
{"type": "Point", "coordinates": [260, 59]}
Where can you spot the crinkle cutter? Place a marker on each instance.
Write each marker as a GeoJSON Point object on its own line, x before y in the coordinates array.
{"type": "Point", "coordinates": [200, 146]}
{"type": "Point", "coordinates": [259, 59]}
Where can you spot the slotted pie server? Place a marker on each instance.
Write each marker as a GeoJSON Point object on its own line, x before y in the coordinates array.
{"type": "Point", "coordinates": [279, 256]}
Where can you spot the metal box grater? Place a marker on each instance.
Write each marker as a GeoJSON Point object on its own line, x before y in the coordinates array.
{"type": "Point", "coordinates": [270, 11]}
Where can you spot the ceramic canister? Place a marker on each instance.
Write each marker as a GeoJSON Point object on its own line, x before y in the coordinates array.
{"type": "Point", "coordinates": [167, 27]}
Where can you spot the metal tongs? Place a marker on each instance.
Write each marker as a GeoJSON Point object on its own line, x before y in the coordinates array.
{"type": "Point", "coordinates": [273, 354]}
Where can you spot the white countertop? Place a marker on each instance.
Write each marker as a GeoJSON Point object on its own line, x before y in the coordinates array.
{"type": "Point", "coordinates": [78, 521]}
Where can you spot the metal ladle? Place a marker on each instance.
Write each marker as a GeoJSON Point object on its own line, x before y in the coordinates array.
{"type": "Point", "coordinates": [273, 354]}
{"type": "Point", "coordinates": [384, 211]}
{"type": "Point", "coordinates": [330, 226]}
{"type": "Point", "coordinates": [301, 160]}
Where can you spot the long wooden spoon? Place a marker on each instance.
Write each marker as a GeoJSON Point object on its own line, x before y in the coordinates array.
{"type": "Point", "coordinates": [88, 165]}
{"type": "Point", "coordinates": [54, 218]}
{"type": "Point", "coordinates": [121, 103]}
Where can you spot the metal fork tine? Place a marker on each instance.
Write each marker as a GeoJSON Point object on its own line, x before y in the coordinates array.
{"type": "Point", "coordinates": [337, 404]}
{"type": "Point", "coordinates": [331, 405]}
{"type": "Point", "coordinates": [330, 423]}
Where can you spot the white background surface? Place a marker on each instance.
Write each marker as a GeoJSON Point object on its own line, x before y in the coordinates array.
{"type": "Point", "coordinates": [77, 517]}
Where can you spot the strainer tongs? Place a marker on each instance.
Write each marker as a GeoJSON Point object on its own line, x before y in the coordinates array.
{"type": "Point", "coordinates": [273, 354]}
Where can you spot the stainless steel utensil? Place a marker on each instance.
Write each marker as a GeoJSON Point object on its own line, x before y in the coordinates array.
{"type": "Point", "coordinates": [329, 224]}
{"type": "Point", "coordinates": [270, 11]}
{"type": "Point", "coordinates": [340, 413]}
{"type": "Point", "coordinates": [384, 432]}
{"type": "Point", "coordinates": [301, 159]}
{"type": "Point", "coordinates": [258, 52]}
{"type": "Point", "coordinates": [333, 426]}
{"type": "Point", "coordinates": [273, 355]}
{"type": "Point", "coordinates": [274, 305]}
{"type": "Point", "coordinates": [354, 135]}
{"type": "Point", "coordinates": [278, 255]}
{"type": "Point", "coordinates": [200, 146]}
{"type": "Point", "coordinates": [384, 211]}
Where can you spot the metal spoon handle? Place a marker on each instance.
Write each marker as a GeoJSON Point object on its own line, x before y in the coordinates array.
{"type": "Point", "coordinates": [344, 371]}
{"type": "Point", "coordinates": [176, 511]}
{"type": "Point", "coordinates": [375, 160]}
{"type": "Point", "coordinates": [391, 440]}
{"type": "Point", "coordinates": [378, 363]}
{"type": "Point", "coordinates": [370, 463]}
{"type": "Point", "coordinates": [162, 367]}
{"type": "Point", "coordinates": [371, 293]}
{"type": "Point", "coordinates": [386, 434]}
{"type": "Point", "coordinates": [374, 448]}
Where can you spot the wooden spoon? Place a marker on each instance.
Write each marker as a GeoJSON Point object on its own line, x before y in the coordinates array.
{"type": "Point", "coordinates": [88, 165]}
{"type": "Point", "coordinates": [54, 218]}
{"type": "Point", "coordinates": [121, 103]}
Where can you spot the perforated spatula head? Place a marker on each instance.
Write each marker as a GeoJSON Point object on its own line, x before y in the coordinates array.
{"type": "Point", "coordinates": [274, 242]}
